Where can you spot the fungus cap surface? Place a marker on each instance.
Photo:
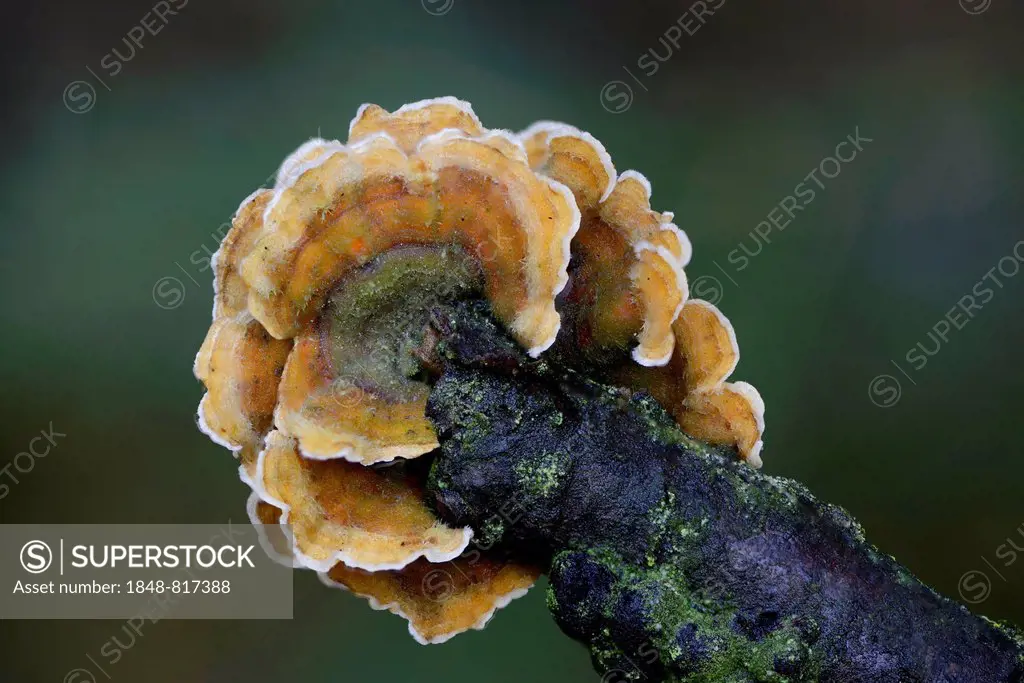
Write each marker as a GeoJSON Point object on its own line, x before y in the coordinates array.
{"type": "Point", "coordinates": [372, 519]}
{"type": "Point", "coordinates": [692, 385]}
{"type": "Point", "coordinates": [631, 283]}
{"type": "Point", "coordinates": [439, 600]}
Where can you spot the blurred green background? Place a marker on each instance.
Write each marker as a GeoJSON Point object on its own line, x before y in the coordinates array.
{"type": "Point", "coordinates": [108, 192]}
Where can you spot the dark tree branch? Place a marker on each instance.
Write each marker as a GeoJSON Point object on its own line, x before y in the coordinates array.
{"type": "Point", "coordinates": [668, 558]}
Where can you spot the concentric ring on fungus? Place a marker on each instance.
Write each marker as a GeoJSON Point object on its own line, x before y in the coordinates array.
{"type": "Point", "coordinates": [323, 288]}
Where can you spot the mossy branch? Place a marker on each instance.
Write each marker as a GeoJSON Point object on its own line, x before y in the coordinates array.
{"type": "Point", "coordinates": [668, 558]}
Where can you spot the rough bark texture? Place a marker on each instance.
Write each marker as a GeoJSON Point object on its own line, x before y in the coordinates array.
{"type": "Point", "coordinates": [668, 558]}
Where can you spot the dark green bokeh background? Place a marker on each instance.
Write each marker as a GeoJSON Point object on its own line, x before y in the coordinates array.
{"type": "Point", "coordinates": [99, 206]}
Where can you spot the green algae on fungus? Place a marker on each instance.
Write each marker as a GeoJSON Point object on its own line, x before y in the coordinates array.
{"type": "Point", "coordinates": [375, 319]}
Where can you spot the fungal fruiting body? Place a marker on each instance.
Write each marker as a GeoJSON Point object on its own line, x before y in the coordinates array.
{"type": "Point", "coordinates": [324, 287]}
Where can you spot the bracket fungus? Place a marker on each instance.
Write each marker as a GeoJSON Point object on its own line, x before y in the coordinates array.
{"type": "Point", "coordinates": [316, 366]}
